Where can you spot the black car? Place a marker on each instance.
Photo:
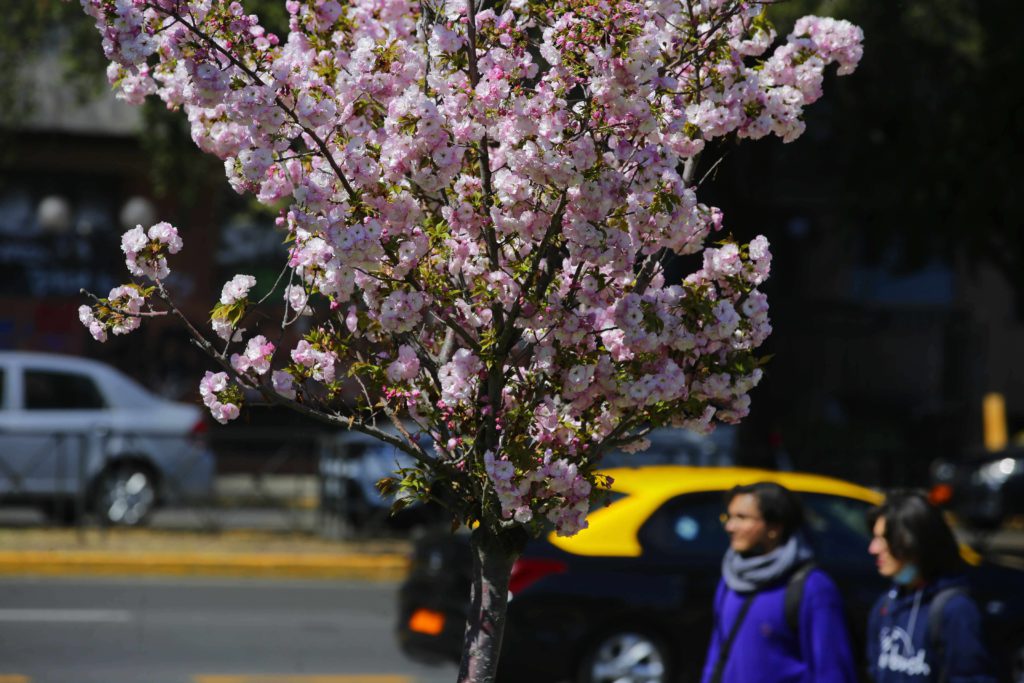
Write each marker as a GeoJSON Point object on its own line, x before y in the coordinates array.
{"type": "Point", "coordinates": [982, 490]}
{"type": "Point", "coordinates": [629, 599]}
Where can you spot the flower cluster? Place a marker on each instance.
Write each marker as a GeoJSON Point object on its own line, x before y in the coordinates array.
{"type": "Point", "coordinates": [220, 396]}
{"type": "Point", "coordinates": [554, 487]}
{"type": "Point", "coordinates": [257, 357]}
{"type": "Point", "coordinates": [479, 205]}
{"type": "Point", "coordinates": [233, 300]}
{"type": "Point", "coordinates": [459, 378]}
{"type": "Point", "coordinates": [319, 364]}
{"type": "Point", "coordinates": [236, 289]}
{"type": "Point", "coordinates": [118, 313]}
{"type": "Point", "coordinates": [146, 252]}
{"type": "Point", "coordinates": [406, 366]}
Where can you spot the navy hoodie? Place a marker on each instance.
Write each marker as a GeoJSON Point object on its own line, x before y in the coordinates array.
{"type": "Point", "coordinates": [897, 638]}
{"type": "Point", "coordinates": [767, 651]}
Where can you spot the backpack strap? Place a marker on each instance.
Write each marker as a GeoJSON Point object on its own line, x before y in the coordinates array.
{"type": "Point", "coordinates": [935, 641]}
{"type": "Point", "coordinates": [723, 652]}
{"type": "Point", "coordinates": [795, 595]}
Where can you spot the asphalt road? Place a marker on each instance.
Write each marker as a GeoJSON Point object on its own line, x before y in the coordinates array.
{"type": "Point", "coordinates": [202, 631]}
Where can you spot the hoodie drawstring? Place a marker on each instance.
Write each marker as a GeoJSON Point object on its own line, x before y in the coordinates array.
{"type": "Point", "coordinates": [913, 612]}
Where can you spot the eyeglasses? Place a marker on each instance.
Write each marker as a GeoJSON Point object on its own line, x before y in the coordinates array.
{"type": "Point", "coordinates": [725, 517]}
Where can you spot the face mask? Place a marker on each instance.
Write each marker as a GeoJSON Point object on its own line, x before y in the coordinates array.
{"type": "Point", "coordinates": [906, 576]}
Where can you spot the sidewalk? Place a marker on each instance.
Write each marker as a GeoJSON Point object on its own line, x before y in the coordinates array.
{"type": "Point", "coordinates": [236, 553]}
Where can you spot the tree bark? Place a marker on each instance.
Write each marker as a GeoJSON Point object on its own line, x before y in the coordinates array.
{"type": "Point", "coordinates": [493, 557]}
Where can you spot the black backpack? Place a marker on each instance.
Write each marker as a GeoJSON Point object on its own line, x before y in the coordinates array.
{"type": "Point", "coordinates": [795, 595]}
{"type": "Point", "coordinates": [935, 641]}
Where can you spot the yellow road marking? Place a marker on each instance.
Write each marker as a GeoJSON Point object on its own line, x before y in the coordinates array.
{"type": "Point", "coordinates": [284, 678]}
{"type": "Point", "coordinates": [14, 678]}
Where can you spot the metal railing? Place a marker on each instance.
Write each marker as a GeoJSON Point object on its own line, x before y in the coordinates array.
{"type": "Point", "coordinates": [287, 480]}
{"type": "Point", "coordinates": [63, 471]}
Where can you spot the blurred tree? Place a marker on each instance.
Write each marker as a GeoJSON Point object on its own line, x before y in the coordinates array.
{"type": "Point", "coordinates": [33, 28]}
{"type": "Point", "coordinates": [60, 26]}
{"type": "Point", "coordinates": [930, 131]}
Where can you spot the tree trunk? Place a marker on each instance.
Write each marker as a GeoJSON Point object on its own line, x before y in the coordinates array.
{"type": "Point", "coordinates": [493, 557]}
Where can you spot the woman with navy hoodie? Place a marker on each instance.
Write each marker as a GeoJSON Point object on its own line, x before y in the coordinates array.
{"type": "Point", "coordinates": [906, 643]}
{"type": "Point", "coordinates": [752, 639]}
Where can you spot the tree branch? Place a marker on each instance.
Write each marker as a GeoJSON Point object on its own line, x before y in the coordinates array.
{"type": "Point", "coordinates": [353, 194]}
{"type": "Point", "coordinates": [334, 419]}
{"type": "Point", "coordinates": [483, 146]}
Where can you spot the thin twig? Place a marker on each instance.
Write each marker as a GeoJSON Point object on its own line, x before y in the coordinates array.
{"type": "Point", "coordinates": [320, 143]}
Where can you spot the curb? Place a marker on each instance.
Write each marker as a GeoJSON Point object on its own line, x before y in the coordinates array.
{"type": "Point", "coordinates": [382, 567]}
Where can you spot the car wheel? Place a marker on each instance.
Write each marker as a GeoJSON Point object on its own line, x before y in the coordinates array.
{"type": "Point", "coordinates": [125, 495]}
{"type": "Point", "coordinates": [626, 657]}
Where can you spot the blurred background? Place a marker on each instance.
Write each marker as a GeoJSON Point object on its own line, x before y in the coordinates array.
{"type": "Point", "coordinates": [897, 291]}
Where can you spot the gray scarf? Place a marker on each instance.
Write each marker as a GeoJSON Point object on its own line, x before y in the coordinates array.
{"type": "Point", "coordinates": [748, 574]}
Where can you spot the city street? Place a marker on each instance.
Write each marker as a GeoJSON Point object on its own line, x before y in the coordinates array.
{"type": "Point", "coordinates": [202, 631]}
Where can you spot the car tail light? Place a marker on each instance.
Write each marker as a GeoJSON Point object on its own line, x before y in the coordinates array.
{"type": "Point", "coordinates": [940, 494]}
{"type": "Point", "coordinates": [529, 570]}
{"type": "Point", "coordinates": [199, 430]}
{"type": "Point", "coordinates": [426, 621]}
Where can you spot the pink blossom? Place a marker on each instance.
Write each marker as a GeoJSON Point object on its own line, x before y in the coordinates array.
{"type": "Point", "coordinates": [223, 412]}
{"type": "Point", "coordinates": [236, 289]}
{"type": "Point", "coordinates": [283, 383]}
{"type": "Point", "coordinates": [352, 320]}
{"type": "Point", "coordinates": [127, 303]}
{"type": "Point", "coordinates": [211, 389]}
{"type": "Point", "coordinates": [400, 310]}
{"type": "Point", "coordinates": [406, 366]}
{"type": "Point", "coordinates": [258, 353]}
{"type": "Point", "coordinates": [146, 254]}
{"type": "Point", "coordinates": [578, 378]}
{"type": "Point", "coordinates": [320, 363]}
{"type": "Point", "coordinates": [212, 383]}
{"type": "Point", "coordinates": [96, 328]}
{"type": "Point", "coordinates": [222, 327]}
{"type": "Point", "coordinates": [459, 377]}
{"type": "Point", "coordinates": [297, 298]}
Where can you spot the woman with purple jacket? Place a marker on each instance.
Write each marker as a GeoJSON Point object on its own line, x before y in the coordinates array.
{"type": "Point", "coordinates": [752, 640]}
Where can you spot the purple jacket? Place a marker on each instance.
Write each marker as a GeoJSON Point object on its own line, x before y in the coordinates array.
{"type": "Point", "coordinates": [767, 651]}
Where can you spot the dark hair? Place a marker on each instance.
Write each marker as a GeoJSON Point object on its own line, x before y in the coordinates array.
{"type": "Point", "coordinates": [777, 504]}
{"type": "Point", "coordinates": [916, 531]}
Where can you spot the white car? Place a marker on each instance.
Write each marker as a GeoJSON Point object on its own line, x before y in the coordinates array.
{"type": "Point", "coordinates": [78, 436]}
{"type": "Point", "coordinates": [351, 464]}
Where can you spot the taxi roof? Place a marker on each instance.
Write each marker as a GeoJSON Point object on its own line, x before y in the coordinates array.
{"type": "Point", "coordinates": [672, 480]}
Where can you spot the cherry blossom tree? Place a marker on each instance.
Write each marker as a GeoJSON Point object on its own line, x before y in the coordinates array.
{"type": "Point", "coordinates": [480, 198]}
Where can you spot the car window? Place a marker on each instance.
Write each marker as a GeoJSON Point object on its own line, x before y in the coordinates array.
{"type": "Point", "coordinates": [688, 525]}
{"type": "Point", "coordinates": [837, 527]}
{"type": "Point", "coordinates": [54, 390]}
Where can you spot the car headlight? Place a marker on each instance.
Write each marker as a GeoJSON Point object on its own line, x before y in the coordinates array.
{"type": "Point", "coordinates": [997, 472]}
{"type": "Point", "coordinates": [943, 470]}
